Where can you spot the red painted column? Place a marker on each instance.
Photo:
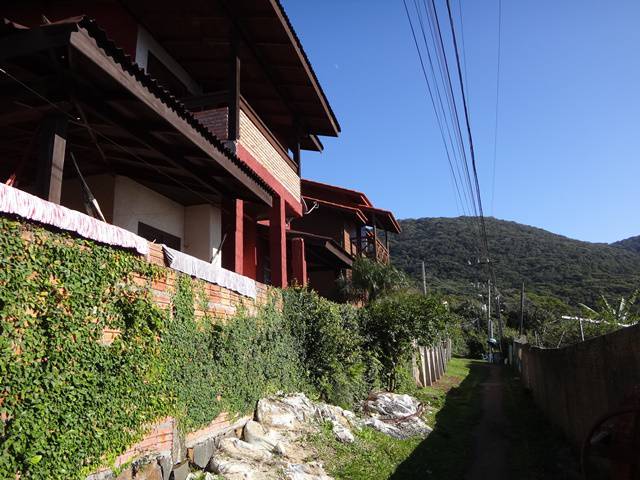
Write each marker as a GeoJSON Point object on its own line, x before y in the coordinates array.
{"type": "Point", "coordinates": [233, 229]}
{"type": "Point", "coordinates": [278, 243]}
{"type": "Point", "coordinates": [298, 261]}
{"type": "Point", "coordinates": [238, 237]}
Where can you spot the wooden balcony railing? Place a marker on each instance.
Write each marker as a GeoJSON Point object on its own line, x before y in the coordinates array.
{"type": "Point", "coordinates": [371, 247]}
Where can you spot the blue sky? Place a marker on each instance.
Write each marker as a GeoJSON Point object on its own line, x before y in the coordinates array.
{"type": "Point", "coordinates": [569, 125]}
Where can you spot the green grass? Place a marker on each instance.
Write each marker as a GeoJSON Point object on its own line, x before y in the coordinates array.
{"type": "Point", "coordinates": [453, 408]}
{"type": "Point", "coordinates": [537, 449]}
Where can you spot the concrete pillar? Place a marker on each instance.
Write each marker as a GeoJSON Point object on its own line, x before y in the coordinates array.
{"type": "Point", "coordinates": [298, 262]}
{"type": "Point", "coordinates": [278, 243]}
{"type": "Point", "coordinates": [423, 367]}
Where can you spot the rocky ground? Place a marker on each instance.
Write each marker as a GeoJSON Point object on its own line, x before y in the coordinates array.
{"type": "Point", "coordinates": [274, 445]}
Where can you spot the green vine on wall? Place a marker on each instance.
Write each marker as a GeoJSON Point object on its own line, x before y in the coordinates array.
{"type": "Point", "coordinates": [67, 399]}
{"type": "Point", "coordinates": [71, 402]}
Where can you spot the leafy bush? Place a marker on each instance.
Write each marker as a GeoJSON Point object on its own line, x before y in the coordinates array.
{"type": "Point", "coordinates": [71, 401]}
{"type": "Point", "coordinates": [330, 345]}
{"type": "Point", "coordinates": [393, 324]}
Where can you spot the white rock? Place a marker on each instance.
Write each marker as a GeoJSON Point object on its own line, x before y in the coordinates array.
{"type": "Point", "coordinates": [342, 433]}
{"type": "Point", "coordinates": [406, 428]}
{"type": "Point", "coordinates": [241, 450]}
{"type": "Point", "coordinates": [391, 405]}
{"type": "Point", "coordinates": [285, 412]}
{"type": "Point", "coordinates": [306, 471]}
{"type": "Point", "coordinates": [232, 469]}
{"type": "Point", "coordinates": [255, 434]}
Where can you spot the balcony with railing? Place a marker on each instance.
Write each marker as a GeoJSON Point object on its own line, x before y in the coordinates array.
{"type": "Point", "coordinates": [372, 247]}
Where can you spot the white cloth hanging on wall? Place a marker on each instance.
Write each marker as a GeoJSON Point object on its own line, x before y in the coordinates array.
{"type": "Point", "coordinates": [16, 202]}
{"type": "Point", "coordinates": [185, 263]}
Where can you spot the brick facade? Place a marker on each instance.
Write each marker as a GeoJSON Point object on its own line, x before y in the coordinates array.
{"type": "Point", "coordinates": [256, 144]}
{"type": "Point", "coordinates": [266, 154]}
{"type": "Point", "coordinates": [216, 121]}
{"type": "Point", "coordinates": [163, 437]}
{"type": "Point", "coordinates": [221, 302]}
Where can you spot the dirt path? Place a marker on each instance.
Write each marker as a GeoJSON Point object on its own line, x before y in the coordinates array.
{"type": "Point", "coordinates": [490, 436]}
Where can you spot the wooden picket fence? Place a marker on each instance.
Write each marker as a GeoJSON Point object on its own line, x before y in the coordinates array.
{"type": "Point", "coordinates": [430, 363]}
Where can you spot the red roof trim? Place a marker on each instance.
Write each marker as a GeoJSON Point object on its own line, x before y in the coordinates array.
{"type": "Point", "coordinates": [352, 210]}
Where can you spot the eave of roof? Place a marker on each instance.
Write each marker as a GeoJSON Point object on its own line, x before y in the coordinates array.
{"type": "Point", "coordinates": [356, 212]}
{"type": "Point", "coordinates": [75, 24]}
{"type": "Point", "coordinates": [365, 206]}
{"type": "Point", "coordinates": [305, 59]}
{"type": "Point", "coordinates": [386, 214]}
{"type": "Point", "coordinates": [147, 13]}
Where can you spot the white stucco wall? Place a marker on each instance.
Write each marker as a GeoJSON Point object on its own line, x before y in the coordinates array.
{"type": "Point", "coordinates": [125, 202]}
{"type": "Point", "coordinates": [203, 232]}
{"type": "Point", "coordinates": [135, 203]}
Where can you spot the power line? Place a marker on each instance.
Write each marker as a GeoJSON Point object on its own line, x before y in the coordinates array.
{"type": "Point", "coordinates": [433, 102]}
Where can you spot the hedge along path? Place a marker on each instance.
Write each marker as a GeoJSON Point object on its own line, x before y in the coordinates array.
{"type": "Point", "coordinates": [72, 398]}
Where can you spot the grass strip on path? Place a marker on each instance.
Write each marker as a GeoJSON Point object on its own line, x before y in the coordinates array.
{"type": "Point", "coordinates": [453, 408]}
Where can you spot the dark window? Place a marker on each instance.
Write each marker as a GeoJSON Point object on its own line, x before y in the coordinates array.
{"type": "Point", "coordinates": [156, 235]}
{"type": "Point", "coordinates": [165, 77]}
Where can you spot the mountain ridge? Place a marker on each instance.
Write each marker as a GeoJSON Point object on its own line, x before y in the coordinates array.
{"type": "Point", "coordinates": [572, 270]}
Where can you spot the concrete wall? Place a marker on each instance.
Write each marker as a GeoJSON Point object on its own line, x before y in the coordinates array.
{"type": "Point", "coordinates": [203, 232]}
{"type": "Point", "coordinates": [125, 202]}
{"type": "Point", "coordinates": [576, 385]}
{"type": "Point", "coordinates": [135, 203]}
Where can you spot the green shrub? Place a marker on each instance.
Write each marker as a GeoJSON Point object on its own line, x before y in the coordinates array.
{"type": "Point", "coordinates": [330, 345]}
{"type": "Point", "coordinates": [394, 322]}
{"type": "Point", "coordinates": [71, 402]}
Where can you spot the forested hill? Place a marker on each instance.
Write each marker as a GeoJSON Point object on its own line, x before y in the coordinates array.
{"type": "Point", "coordinates": [632, 244]}
{"type": "Point", "coordinates": [549, 264]}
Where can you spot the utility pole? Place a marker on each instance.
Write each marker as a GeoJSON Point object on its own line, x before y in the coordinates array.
{"type": "Point", "coordinates": [489, 324]}
{"type": "Point", "coordinates": [499, 321]}
{"type": "Point", "coordinates": [522, 310]}
{"type": "Point", "coordinates": [424, 279]}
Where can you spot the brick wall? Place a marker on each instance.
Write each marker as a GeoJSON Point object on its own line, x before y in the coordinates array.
{"type": "Point", "coordinates": [163, 437]}
{"type": "Point", "coordinates": [222, 303]}
{"type": "Point", "coordinates": [252, 139]}
{"type": "Point", "coordinates": [216, 120]}
{"type": "Point", "coordinates": [256, 143]}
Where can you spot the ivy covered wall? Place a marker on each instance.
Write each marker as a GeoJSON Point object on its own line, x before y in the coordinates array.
{"type": "Point", "coordinates": [97, 345]}
{"type": "Point", "coordinates": [71, 398]}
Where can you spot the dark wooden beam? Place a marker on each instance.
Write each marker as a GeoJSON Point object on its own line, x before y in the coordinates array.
{"type": "Point", "coordinates": [53, 146]}
{"type": "Point", "coordinates": [296, 154]}
{"type": "Point", "coordinates": [233, 125]}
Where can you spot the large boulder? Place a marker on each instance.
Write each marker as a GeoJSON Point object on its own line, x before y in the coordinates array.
{"type": "Point", "coordinates": [395, 415]}
{"type": "Point", "coordinates": [287, 412]}
{"type": "Point", "coordinates": [391, 405]}
{"type": "Point", "coordinates": [407, 427]}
